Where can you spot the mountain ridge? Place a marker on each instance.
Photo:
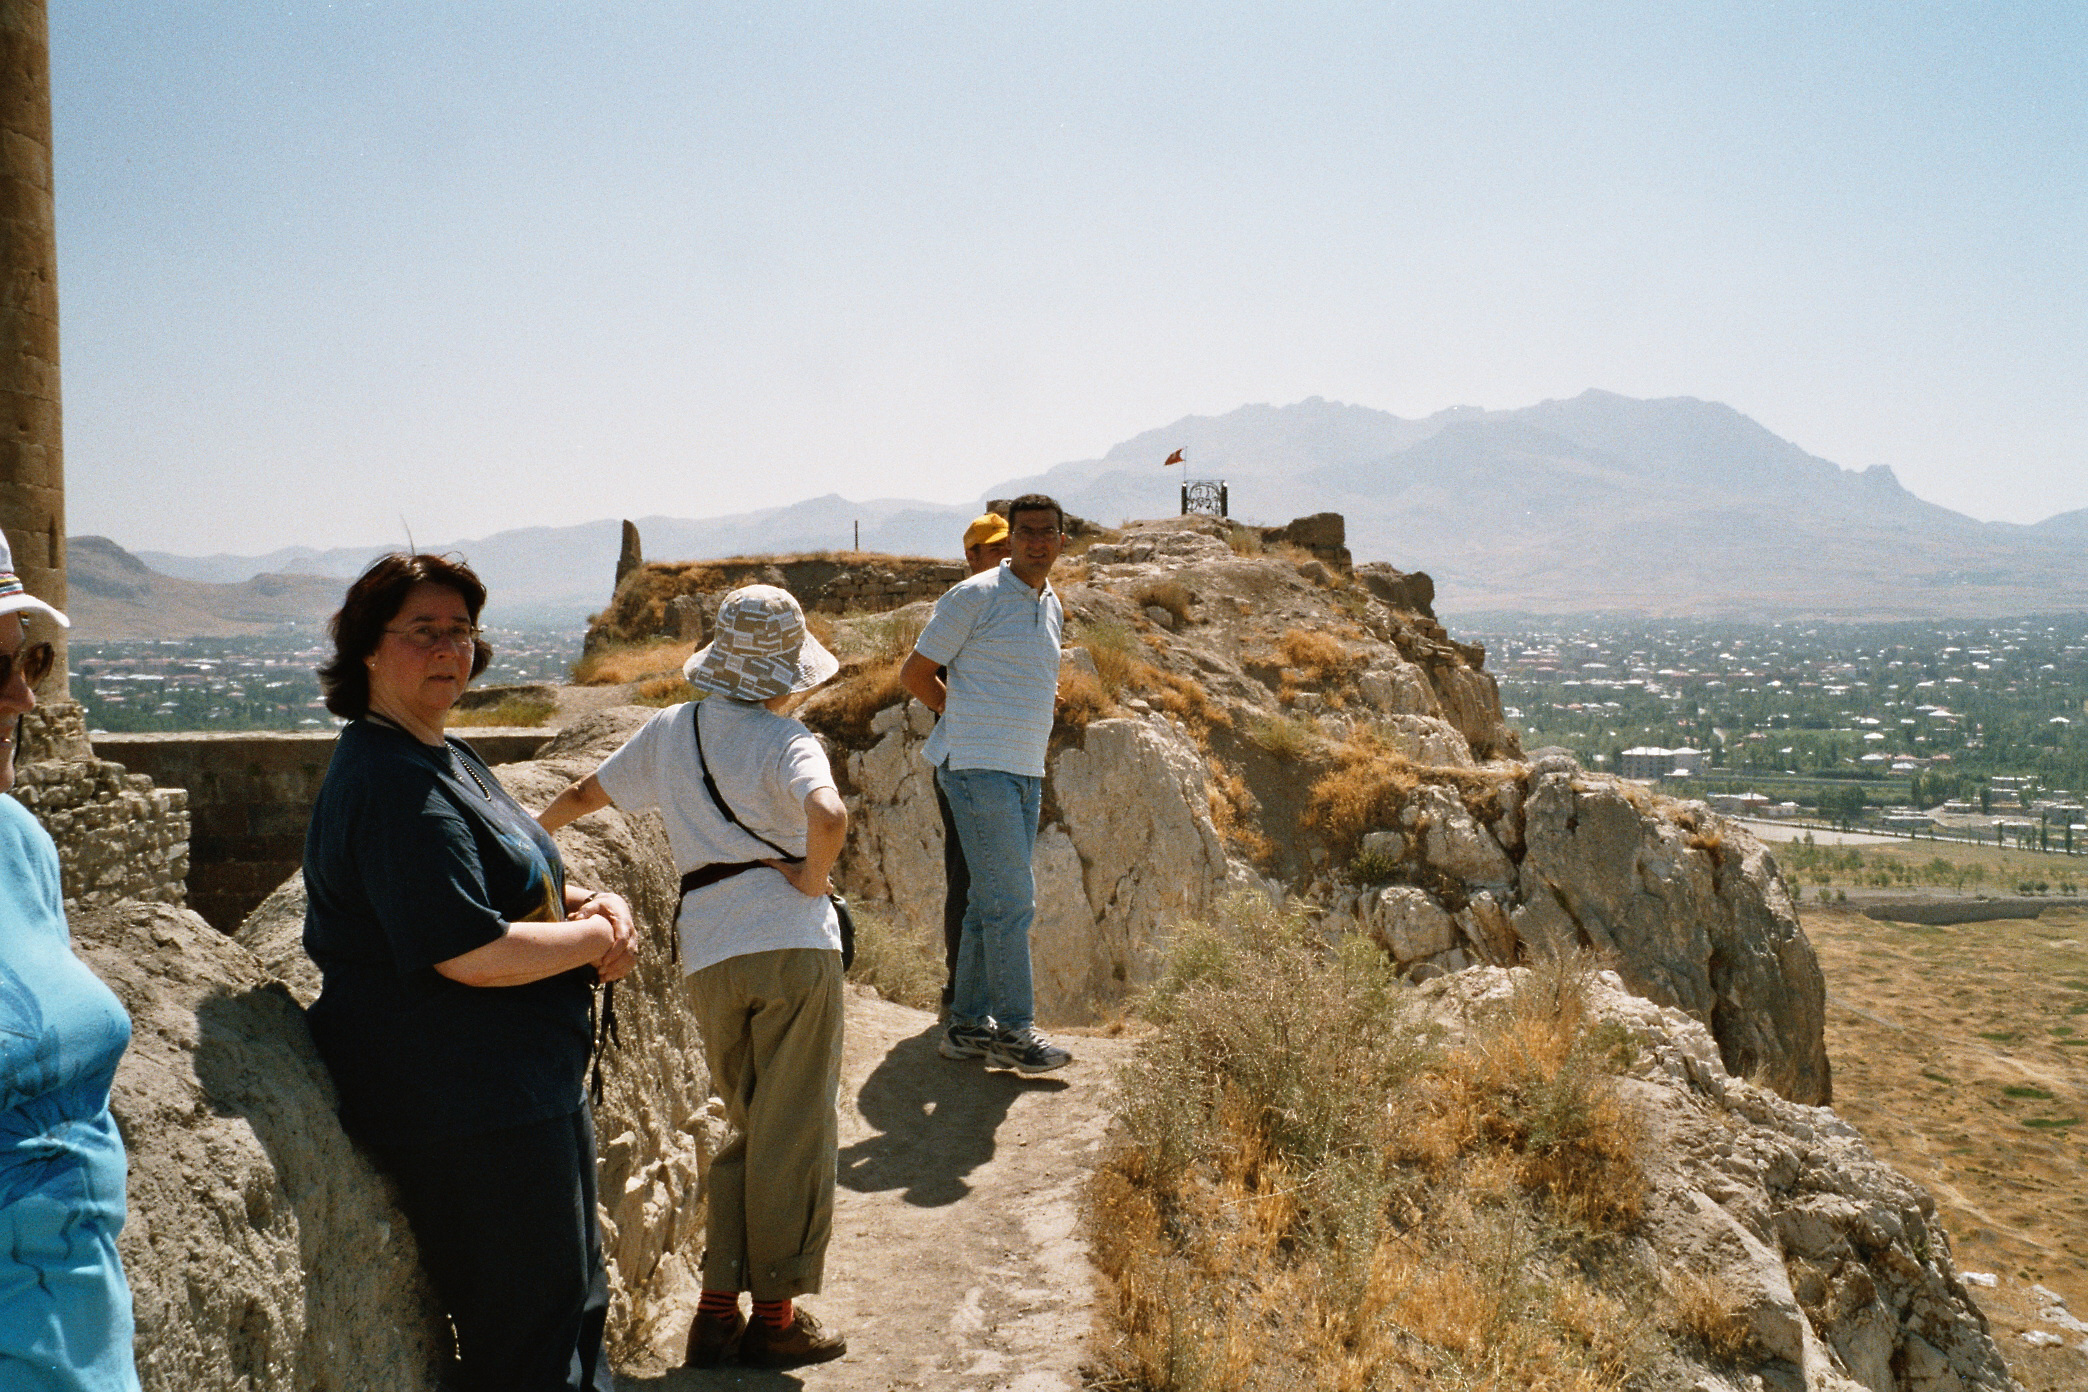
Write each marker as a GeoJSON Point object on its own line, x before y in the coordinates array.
{"type": "Point", "coordinates": [1592, 503]}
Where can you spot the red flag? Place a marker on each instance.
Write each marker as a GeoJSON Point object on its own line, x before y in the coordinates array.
{"type": "Point", "coordinates": [1174, 458]}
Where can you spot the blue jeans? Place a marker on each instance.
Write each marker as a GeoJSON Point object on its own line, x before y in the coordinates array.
{"type": "Point", "coordinates": [996, 817]}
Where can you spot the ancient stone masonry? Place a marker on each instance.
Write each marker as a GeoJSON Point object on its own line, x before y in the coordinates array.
{"type": "Point", "coordinates": [677, 599]}
{"type": "Point", "coordinates": [249, 796]}
{"type": "Point", "coordinates": [32, 461]}
{"type": "Point", "coordinates": [1324, 534]}
{"type": "Point", "coordinates": [118, 836]}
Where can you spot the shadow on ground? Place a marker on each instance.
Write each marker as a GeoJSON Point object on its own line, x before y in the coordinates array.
{"type": "Point", "coordinates": [936, 1119]}
{"type": "Point", "coordinates": [702, 1380]}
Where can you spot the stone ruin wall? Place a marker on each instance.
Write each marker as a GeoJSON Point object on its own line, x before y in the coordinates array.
{"type": "Point", "coordinates": [118, 836]}
{"type": "Point", "coordinates": [678, 599]}
{"type": "Point", "coordinates": [249, 796]}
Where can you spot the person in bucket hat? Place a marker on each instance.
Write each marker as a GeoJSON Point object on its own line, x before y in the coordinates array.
{"type": "Point", "coordinates": [65, 1308]}
{"type": "Point", "coordinates": [737, 781]}
{"type": "Point", "coordinates": [761, 649]}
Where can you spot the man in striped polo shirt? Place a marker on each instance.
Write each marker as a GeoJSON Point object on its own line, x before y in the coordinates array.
{"type": "Point", "coordinates": [998, 635]}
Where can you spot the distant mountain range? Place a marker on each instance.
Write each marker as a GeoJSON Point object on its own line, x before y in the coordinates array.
{"type": "Point", "coordinates": [1601, 503]}
{"type": "Point", "coordinates": [111, 594]}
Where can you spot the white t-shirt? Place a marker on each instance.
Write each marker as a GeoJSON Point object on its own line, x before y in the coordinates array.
{"type": "Point", "coordinates": [765, 764]}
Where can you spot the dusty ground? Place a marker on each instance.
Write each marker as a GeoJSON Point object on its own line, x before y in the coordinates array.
{"type": "Point", "coordinates": [957, 1260]}
{"type": "Point", "coordinates": [1961, 1053]}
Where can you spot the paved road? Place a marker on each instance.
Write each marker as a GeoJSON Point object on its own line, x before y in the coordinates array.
{"type": "Point", "coordinates": [1784, 831]}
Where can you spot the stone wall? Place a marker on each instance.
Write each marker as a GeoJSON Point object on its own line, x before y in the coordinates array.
{"type": "Point", "coordinates": [644, 605]}
{"type": "Point", "coordinates": [1324, 534]}
{"type": "Point", "coordinates": [32, 461]}
{"type": "Point", "coordinates": [118, 836]}
{"type": "Point", "coordinates": [249, 796]}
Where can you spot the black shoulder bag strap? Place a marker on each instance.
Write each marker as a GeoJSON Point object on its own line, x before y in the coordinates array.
{"type": "Point", "coordinates": [709, 874]}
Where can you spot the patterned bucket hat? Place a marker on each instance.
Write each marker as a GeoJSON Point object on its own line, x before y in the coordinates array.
{"type": "Point", "coordinates": [760, 648]}
{"type": "Point", "coordinates": [14, 595]}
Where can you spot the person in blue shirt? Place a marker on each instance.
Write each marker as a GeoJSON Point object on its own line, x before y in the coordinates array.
{"type": "Point", "coordinates": [997, 635]}
{"type": "Point", "coordinates": [65, 1309]}
{"type": "Point", "coordinates": [458, 972]}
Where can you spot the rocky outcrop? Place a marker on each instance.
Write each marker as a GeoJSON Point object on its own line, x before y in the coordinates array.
{"type": "Point", "coordinates": [1484, 858]}
{"type": "Point", "coordinates": [1688, 906]}
{"type": "Point", "coordinates": [262, 1248]}
{"type": "Point", "coordinates": [1127, 849]}
{"type": "Point", "coordinates": [1691, 907]}
{"type": "Point", "coordinates": [1833, 1263]}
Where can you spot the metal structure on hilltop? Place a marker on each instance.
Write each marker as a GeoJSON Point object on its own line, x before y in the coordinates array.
{"type": "Point", "coordinates": [1200, 497]}
{"type": "Point", "coordinates": [1204, 498]}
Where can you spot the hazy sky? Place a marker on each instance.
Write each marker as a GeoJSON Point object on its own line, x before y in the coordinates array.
{"type": "Point", "coordinates": [485, 265]}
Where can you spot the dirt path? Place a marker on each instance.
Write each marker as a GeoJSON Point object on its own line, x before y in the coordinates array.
{"type": "Point", "coordinates": [957, 1260]}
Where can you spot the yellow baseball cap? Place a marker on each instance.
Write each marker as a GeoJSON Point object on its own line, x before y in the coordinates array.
{"type": "Point", "coordinates": [985, 530]}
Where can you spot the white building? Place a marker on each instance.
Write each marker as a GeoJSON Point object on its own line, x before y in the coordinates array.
{"type": "Point", "coordinates": [1649, 761]}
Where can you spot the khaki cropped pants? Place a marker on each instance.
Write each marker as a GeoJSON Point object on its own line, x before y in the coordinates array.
{"type": "Point", "coordinates": [771, 1025]}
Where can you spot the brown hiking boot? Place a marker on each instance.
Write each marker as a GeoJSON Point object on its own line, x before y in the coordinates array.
{"type": "Point", "coordinates": [712, 1338]}
{"type": "Point", "coordinates": [804, 1342]}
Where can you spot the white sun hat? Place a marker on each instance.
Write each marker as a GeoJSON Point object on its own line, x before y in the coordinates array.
{"type": "Point", "coordinates": [14, 596]}
{"type": "Point", "coordinates": [760, 649]}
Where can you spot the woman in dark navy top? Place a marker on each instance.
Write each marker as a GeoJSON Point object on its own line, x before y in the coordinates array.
{"type": "Point", "coordinates": [458, 972]}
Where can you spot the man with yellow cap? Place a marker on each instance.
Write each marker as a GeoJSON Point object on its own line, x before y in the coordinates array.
{"type": "Point", "coordinates": [985, 546]}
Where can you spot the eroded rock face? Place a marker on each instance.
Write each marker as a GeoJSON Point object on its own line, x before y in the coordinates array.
{"type": "Point", "coordinates": [1694, 913]}
{"type": "Point", "coordinates": [263, 1249]}
{"type": "Point", "coordinates": [1834, 1259]}
{"type": "Point", "coordinates": [1127, 850]}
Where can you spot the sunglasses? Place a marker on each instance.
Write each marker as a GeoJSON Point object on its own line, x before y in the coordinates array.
{"type": "Point", "coordinates": [34, 662]}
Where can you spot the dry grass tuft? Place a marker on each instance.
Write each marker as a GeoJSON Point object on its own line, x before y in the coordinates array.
{"type": "Point", "coordinates": [885, 638]}
{"type": "Point", "coordinates": [1265, 1222]}
{"type": "Point", "coordinates": [1081, 698]}
{"type": "Point", "coordinates": [1367, 781]}
{"type": "Point", "coordinates": [1705, 1312]}
{"type": "Point", "coordinates": [1171, 595]}
{"type": "Point", "coordinates": [1288, 737]}
{"type": "Point", "coordinates": [1115, 650]}
{"type": "Point", "coordinates": [1189, 703]}
{"type": "Point", "coordinates": [1363, 790]}
{"type": "Point", "coordinates": [1123, 670]}
{"type": "Point", "coordinates": [664, 691]}
{"type": "Point", "coordinates": [1320, 655]}
{"type": "Point", "coordinates": [617, 664]}
{"type": "Point", "coordinates": [843, 708]}
{"type": "Point", "coordinates": [1234, 813]}
{"type": "Point", "coordinates": [513, 710]}
{"type": "Point", "coordinates": [899, 965]}
{"type": "Point", "coordinates": [1536, 1087]}
{"type": "Point", "coordinates": [1244, 541]}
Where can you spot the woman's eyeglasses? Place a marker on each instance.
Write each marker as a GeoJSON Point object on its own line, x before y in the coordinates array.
{"type": "Point", "coordinates": [34, 662]}
{"type": "Point", "coordinates": [428, 637]}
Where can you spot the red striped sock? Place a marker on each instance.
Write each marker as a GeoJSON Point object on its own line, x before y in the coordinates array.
{"type": "Point", "coordinates": [776, 1314]}
{"type": "Point", "coordinates": [718, 1304]}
